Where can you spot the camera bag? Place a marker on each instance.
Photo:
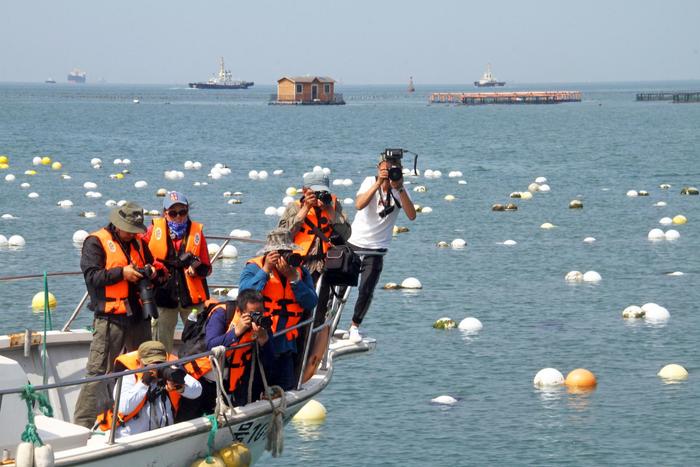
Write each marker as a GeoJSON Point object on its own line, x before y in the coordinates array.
{"type": "Point", "coordinates": [342, 266]}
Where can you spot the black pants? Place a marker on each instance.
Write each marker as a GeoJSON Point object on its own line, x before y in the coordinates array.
{"type": "Point", "coordinates": [369, 277]}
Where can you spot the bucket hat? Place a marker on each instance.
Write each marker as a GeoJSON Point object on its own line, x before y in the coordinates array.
{"type": "Point", "coordinates": [152, 352]}
{"type": "Point", "coordinates": [279, 239]}
{"type": "Point", "coordinates": [128, 218]}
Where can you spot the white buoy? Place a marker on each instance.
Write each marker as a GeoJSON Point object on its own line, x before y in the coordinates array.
{"type": "Point", "coordinates": [660, 204]}
{"type": "Point", "coordinates": [3, 240]}
{"type": "Point", "coordinates": [426, 210]}
{"type": "Point", "coordinates": [411, 283]}
{"type": "Point", "coordinates": [121, 202]}
{"type": "Point", "coordinates": [589, 240]}
{"type": "Point", "coordinates": [189, 165]}
{"type": "Point", "coordinates": [510, 242]}
{"type": "Point", "coordinates": [673, 372]}
{"type": "Point", "coordinates": [462, 182]}
{"type": "Point", "coordinates": [326, 171]}
{"type": "Point", "coordinates": [312, 412]}
{"type": "Point", "coordinates": [141, 184]}
{"type": "Point", "coordinates": [444, 400]}
{"type": "Point", "coordinates": [591, 276]}
{"type": "Point", "coordinates": [230, 251]}
{"type": "Point", "coordinates": [65, 177]}
{"type": "Point", "coordinates": [117, 161]}
{"type": "Point", "coordinates": [454, 174]}
{"type": "Point", "coordinates": [280, 210]}
{"type": "Point", "coordinates": [526, 195]}
{"type": "Point", "coordinates": [93, 194]}
{"type": "Point", "coordinates": [672, 235]}
{"type": "Point", "coordinates": [65, 203]}
{"type": "Point", "coordinates": [470, 324]}
{"type": "Point", "coordinates": [675, 273]}
{"type": "Point", "coordinates": [262, 175]}
{"type": "Point", "coordinates": [428, 173]}
{"type": "Point", "coordinates": [544, 188]}
{"type": "Point", "coordinates": [654, 313]}
{"type": "Point", "coordinates": [253, 175]}
{"type": "Point", "coordinates": [437, 174]}
{"type": "Point", "coordinates": [33, 194]}
{"type": "Point", "coordinates": [347, 182]}
{"type": "Point", "coordinates": [95, 161]}
{"type": "Point", "coordinates": [420, 189]}
{"type": "Point", "coordinates": [196, 165]}
{"type": "Point", "coordinates": [36, 160]}
{"type": "Point", "coordinates": [573, 276]}
{"type": "Point", "coordinates": [533, 187]}
{"type": "Point", "coordinates": [126, 161]}
{"type": "Point", "coordinates": [541, 180]}
{"type": "Point", "coordinates": [547, 226]}
{"type": "Point", "coordinates": [632, 193]}
{"type": "Point", "coordinates": [277, 172]}
{"type": "Point", "coordinates": [656, 234]}
{"type": "Point", "coordinates": [240, 233]}
{"type": "Point", "coordinates": [665, 221]}
{"type": "Point", "coordinates": [337, 182]}
{"type": "Point", "coordinates": [89, 185]}
{"type": "Point", "coordinates": [7, 216]}
{"type": "Point", "coordinates": [212, 248]}
{"type": "Point", "coordinates": [271, 211]}
{"type": "Point", "coordinates": [79, 236]}
{"type": "Point", "coordinates": [458, 243]}
{"type": "Point", "coordinates": [449, 197]}
{"type": "Point", "coordinates": [548, 377]}
{"type": "Point", "coordinates": [110, 203]}
{"type": "Point", "coordinates": [16, 240]}
{"type": "Point", "coordinates": [633, 312]}
{"type": "Point", "coordinates": [287, 200]}
{"type": "Point", "coordinates": [10, 178]}
{"type": "Point", "coordinates": [215, 175]}
{"type": "Point", "coordinates": [348, 201]}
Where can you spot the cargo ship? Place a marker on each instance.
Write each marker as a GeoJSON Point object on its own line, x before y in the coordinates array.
{"type": "Point", "coordinates": [223, 80]}
{"type": "Point", "coordinates": [77, 76]}
{"type": "Point", "coordinates": [487, 80]}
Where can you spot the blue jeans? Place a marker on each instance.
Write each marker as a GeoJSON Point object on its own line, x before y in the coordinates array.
{"type": "Point", "coordinates": [280, 371]}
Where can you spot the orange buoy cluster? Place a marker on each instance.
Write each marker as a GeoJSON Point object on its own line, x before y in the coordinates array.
{"type": "Point", "coordinates": [580, 378]}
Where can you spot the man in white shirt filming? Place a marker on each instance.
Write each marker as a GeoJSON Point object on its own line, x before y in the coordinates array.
{"type": "Point", "coordinates": [378, 203]}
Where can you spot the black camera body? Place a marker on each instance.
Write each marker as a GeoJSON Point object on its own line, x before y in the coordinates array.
{"type": "Point", "coordinates": [292, 259]}
{"type": "Point", "coordinates": [261, 320]}
{"type": "Point", "coordinates": [173, 373]}
{"type": "Point", "coordinates": [324, 196]}
{"type": "Point", "coordinates": [394, 156]}
{"type": "Point", "coordinates": [147, 292]}
{"type": "Point", "coordinates": [187, 259]}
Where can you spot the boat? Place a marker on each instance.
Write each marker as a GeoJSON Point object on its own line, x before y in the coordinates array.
{"type": "Point", "coordinates": [77, 76]}
{"type": "Point", "coordinates": [53, 362]}
{"type": "Point", "coordinates": [50, 81]}
{"type": "Point", "coordinates": [487, 79]}
{"type": "Point", "coordinates": [411, 87]}
{"type": "Point", "coordinates": [223, 80]}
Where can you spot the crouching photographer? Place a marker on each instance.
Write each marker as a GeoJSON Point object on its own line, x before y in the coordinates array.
{"type": "Point", "coordinates": [151, 399]}
{"type": "Point", "coordinates": [178, 242]}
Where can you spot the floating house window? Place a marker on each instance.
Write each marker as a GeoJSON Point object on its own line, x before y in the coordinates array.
{"type": "Point", "coordinates": [327, 88]}
{"type": "Point", "coordinates": [299, 89]}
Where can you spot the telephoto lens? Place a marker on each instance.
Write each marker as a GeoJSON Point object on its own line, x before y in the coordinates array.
{"type": "Point", "coordinates": [292, 259]}
{"type": "Point", "coordinates": [395, 173]}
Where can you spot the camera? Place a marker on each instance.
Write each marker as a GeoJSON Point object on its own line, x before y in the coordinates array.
{"type": "Point", "coordinates": [324, 197]}
{"type": "Point", "coordinates": [393, 156]}
{"type": "Point", "coordinates": [187, 259]}
{"type": "Point", "coordinates": [173, 373]}
{"type": "Point", "coordinates": [147, 293]}
{"type": "Point", "coordinates": [292, 259]}
{"type": "Point", "coordinates": [261, 320]}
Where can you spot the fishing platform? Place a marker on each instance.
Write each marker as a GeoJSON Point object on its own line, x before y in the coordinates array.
{"type": "Point", "coordinates": [674, 96]}
{"type": "Point", "coordinates": [515, 97]}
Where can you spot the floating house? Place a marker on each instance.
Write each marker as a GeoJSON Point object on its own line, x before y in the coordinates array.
{"type": "Point", "coordinates": [307, 90]}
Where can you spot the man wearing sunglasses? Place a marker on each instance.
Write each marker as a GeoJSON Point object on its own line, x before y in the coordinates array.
{"type": "Point", "coordinates": [178, 242]}
{"type": "Point", "coordinates": [378, 202]}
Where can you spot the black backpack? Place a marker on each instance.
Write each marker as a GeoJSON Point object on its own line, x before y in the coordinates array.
{"type": "Point", "coordinates": [194, 335]}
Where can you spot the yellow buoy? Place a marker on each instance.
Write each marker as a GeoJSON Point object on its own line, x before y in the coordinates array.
{"type": "Point", "coordinates": [46, 160]}
{"type": "Point", "coordinates": [680, 219]}
{"type": "Point", "coordinates": [57, 165]}
{"type": "Point", "coordinates": [38, 301]}
{"type": "Point", "coordinates": [4, 159]}
{"type": "Point", "coordinates": [236, 455]}
{"type": "Point", "coordinates": [119, 176]}
{"type": "Point", "coordinates": [30, 172]}
{"type": "Point", "coordinates": [4, 165]}
{"type": "Point", "coordinates": [580, 378]}
{"type": "Point", "coordinates": [673, 372]}
{"type": "Point", "coordinates": [215, 461]}
{"type": "Point", "coordinates": [313, 411]}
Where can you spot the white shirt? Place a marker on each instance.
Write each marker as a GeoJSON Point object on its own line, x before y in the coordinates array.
{"type": "Point", "coordinates": [151, 416]}
{"type": "Point", "coordinates": [369, 229]}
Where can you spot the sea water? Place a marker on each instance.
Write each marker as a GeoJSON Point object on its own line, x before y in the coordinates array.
{"type": "Point", "coordinates": [379, 410]}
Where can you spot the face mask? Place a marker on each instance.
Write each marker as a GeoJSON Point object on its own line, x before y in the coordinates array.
{"type": "Point", "coordinates": [177, 229]}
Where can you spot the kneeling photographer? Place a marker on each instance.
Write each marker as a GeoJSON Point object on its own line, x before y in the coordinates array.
{"type": "Point", "coordinates": [178, 242]}
{"type": "Point", "coordinates": [288, 292]}
{"type": "Point", "coordinates": [378, 202]}
{"type": "Point", "coordinates": [151, 399]}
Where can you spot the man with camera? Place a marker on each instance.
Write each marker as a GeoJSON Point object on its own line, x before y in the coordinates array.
{"type": "Point", "coordinates": [148, 400]}
{"type": "Point", "coordinates": [316, 223]}
{"type": "Point", "coordinates": [288, 291]}
{"type": "Point", "coordinates": [378, 203]}
{"type": "Point", "coordinates": [118, 276]}
{"type": "Point", "coordinates": [178, 242]}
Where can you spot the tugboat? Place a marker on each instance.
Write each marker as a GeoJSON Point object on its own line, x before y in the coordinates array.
{"type": "Point", "coordinates": [487, 80]}
{"type": "Point", "coordinates": [411, 87]}
{"type": "Point", "coordinates": [222, 81]}
{"type": "Point", "coordinates": [50, 81]}
{"type": "Point", "coordinates": [77, 76]}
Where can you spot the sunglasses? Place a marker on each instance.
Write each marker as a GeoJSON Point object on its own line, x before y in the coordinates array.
{"type": "Point", "coordinates": [175, 212]}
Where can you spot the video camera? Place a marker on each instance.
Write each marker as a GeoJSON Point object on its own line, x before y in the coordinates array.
{"type": "Point", "coordinates": [393, 156]}
{"type": "Point", "coordinates": [147, 292]}
{"type": "Point", "coordinates": [261, 320]}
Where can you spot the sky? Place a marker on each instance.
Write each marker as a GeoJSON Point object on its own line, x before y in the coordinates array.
{"type": "Point", "coordinates": [355, 42]}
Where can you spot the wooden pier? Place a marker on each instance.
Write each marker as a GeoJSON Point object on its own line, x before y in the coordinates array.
{"type": "Point", "coordinates": [674, 96]}
{"type": "Point", "coordinates": [520, 97]}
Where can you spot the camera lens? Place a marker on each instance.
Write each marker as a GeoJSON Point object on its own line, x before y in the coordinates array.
{"type": "Point", "coordinates": [293, 259]}
{"type": "Point", "coordinates": [395, 174]}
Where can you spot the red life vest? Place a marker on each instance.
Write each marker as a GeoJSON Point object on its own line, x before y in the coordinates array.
{"type": "Point", "coordinates": [158, 245]}
{"type": "Point", "coordinates": [280, 300]}
{"type": "Point", "coordinates": [306, 235]}
{"type": "Point", "coordinates": [130, 361]}
{"type": "Point", "coordinates": [116, 295]}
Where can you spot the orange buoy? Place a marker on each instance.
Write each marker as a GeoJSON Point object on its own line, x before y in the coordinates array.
{"type": "Point", "coordinates": [580, 378]}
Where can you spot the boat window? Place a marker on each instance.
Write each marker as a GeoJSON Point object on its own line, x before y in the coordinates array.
{"type": "Point", "coordinates": [299, 89]}
{"type": "Point", "coordinates": [327, 88]}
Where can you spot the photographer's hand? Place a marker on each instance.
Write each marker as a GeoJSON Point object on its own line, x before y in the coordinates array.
{"type": "Point", "coordinates": [171, 386]}
{"type": "Point", "coordinates": [286, 270]}
{"type": "Point", "coordinates": [149, 377]}
{"type": "Point", "coordinates": [243, 325]}
{"type": "Point", "coordinates": [190, 271]}
{"type": "Point", "coordinates": [270, 261]}
{"type": "Point", "coordinates": [260, 334]}
{"type": "Point", "coordinates": [397, 184]}
{"type": "Point", "coordinates": [154, 272]}
{"type": "Point", "coordinates": [129, 273]}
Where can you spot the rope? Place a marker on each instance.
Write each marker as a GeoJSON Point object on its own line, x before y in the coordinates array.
{"type": "Point", "coordinates": [212, 436]}
{"type": "Point", "coordinates": [222, 399]}
{"type": "Point", "coordinates": [47, 325]}
{"type": "Point", "coordinates": [31, 397]}
{"type": "Point", "coordinates": [275, 435]}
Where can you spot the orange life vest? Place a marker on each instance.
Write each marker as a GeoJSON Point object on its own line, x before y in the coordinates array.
{"type": "Point", "coordinates": [306, 235]}
{"type": "Point", "coordinates": [116, 295]}
{"type": "Point", "coordinates": [129, 361]}
{"type": "Point", "coordinates": [280, 300]}
{"type": "Point", "coordinates": [158, 245]}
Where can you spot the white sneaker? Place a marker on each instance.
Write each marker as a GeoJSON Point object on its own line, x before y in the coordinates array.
{"type": "Point", "coordinates": [355, 335]}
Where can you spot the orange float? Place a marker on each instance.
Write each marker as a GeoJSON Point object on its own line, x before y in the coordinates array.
{"type": "Point", "coordinates": [580, 378]}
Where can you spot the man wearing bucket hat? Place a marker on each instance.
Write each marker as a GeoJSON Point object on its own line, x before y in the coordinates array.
{"type": "Point", "coordinates": [316, 223]}
{"type": "Point", "coordinates": [289, 293]}
{"type": "Point", "coordinates": [113, 261]}
{"type": "Point", "coordinates": [179, 243]}
{"type": "Point", "coordinates": [151, 399]}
